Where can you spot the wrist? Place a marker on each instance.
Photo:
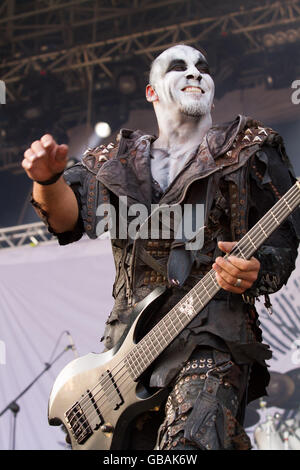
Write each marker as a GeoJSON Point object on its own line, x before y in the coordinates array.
{"type": "Point", "coordinates": [51, 180]}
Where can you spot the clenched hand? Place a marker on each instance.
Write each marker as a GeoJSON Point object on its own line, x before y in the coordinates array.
{"type": "Point", "coordinates": [45, 158]}
{"type": "Point", "coordinates": [229, 270]}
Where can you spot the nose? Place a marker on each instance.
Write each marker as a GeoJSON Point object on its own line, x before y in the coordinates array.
{"type": "Point", "coordinates": [193, 73]}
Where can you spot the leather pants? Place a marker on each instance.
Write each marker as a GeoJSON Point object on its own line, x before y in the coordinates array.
{"type": "Point", "coordinates": [205, 408]}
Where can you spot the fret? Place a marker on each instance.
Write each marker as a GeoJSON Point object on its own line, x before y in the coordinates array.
{"type": "Point", "coordinates": [250, 240]}
{"type": "Point", "coordinates": [213, 279]}
{"type": "Point", "coordinates": [240, 251]}
{"type": "Point", "coordinates": [149, 349]}
{"type": "Point", "coordinates": [157, 347]}
{"type": "Point", "coordinates": [286, 203]}
{"type": "Point", "coordinates": [160, 332]}
{"type": "Point", "coordinates": [172, 324]}
{"type": "Point", "coordinates": [155, 344]}
{"type": "Point", "coordinates": [202, 304]}
{"type": "Point", "coordinates": [178, 316]}
{"type": "Point", "coordinates": [271, 212]}
{"type": "Point", "coordinates": [133, 370]}
{"type": "Point", "coordinates": [205, 288]}
{"type": "Point", "coordinates": [139, 352]}
{"type": "Point", "coordinates": [150, 338]}
{"type": "Point", "coordinates": [265, 234]}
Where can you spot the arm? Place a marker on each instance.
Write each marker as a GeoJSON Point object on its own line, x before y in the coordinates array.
{"type": "Point", "coordinates": [55, 202]}
{"type": "Point", "coordinates": [270, 178]}
{"type": "Point", "coordinates": [274, 261]}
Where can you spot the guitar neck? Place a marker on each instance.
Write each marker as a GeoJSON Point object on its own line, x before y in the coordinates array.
{"type": "Point", "coordinates": [167, 329]}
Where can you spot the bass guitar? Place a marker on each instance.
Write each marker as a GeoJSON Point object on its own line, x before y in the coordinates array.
{"type": "Point", "coordinates": [97, 395]}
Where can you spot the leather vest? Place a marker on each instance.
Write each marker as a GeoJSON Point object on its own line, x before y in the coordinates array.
{"type": "Point", "coordinates": [216, 176]}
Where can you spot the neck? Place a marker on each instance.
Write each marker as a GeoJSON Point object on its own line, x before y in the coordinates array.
{"type": "Point", "coordinates": [177, 130]}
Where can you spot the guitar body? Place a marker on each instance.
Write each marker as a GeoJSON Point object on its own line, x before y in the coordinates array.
{"type": "Point", "coordinates": [102, 420]}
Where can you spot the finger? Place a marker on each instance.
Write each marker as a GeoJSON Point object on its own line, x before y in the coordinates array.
{"type": "Point", "coordinates": [61, 152]}
{"type": "Point", "coordinates": [231, 280]}
{"type": "Point", "coordinates": [26, 164]}
{"type": "Point", "coordinates": [29, 155]}
{"type": "Point", "coordinates": [38, 148]}
{"type": "Point", "coordinates": [226, 247]}
{"type": "Point", "coordinates": [243, 271]}
{"type": "Point", "coordinates": [48, 141]}
{"type": "Point", "coordinates": [232, 274]}
{"type": "Point", "coordinates": [252, 265]}
{"type": "Point", "coordinates": [228, 287]}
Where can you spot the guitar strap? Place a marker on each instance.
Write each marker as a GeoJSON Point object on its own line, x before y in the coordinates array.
{"type": "Point", "coordinates": [184, 252]}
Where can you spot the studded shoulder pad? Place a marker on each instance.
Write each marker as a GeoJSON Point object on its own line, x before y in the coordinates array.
{"type": "Point", "coordinates": [94, 158]}
{"type": "Point", "coordinates": [254, 133]}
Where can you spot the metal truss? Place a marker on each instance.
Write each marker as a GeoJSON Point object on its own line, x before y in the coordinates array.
{"type": "Point", "coordinates": [69, 38]}
{"type": "Point", "coordinates": [87, 43]}
{"type": "Point", "coordinates": [29, 234]}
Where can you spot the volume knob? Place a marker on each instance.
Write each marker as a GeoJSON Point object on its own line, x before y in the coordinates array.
{"type": "Point", "coordinates": [107, 427]}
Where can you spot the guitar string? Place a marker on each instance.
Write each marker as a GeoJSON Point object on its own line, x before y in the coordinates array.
{"type": "Point", "coordinates": [210, 278]}
{"type": "Point", "coordinates": [214, 279]}
{"type": "Point", "coordinates": [213, 283]}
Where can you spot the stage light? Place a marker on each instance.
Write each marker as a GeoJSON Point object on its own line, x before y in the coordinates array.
{"type": "Point", "coordinates": [292, 35]}
{"type": "Point", "coordinates": [127, 83]}
{"type": "Point", "coordinates": [102, 129]}
{"type": "Point", "coordinates": [281, 37]}
{"type": "Point", "coordinates": [33, 112]}
{"type": "Point", "coordinates": [269, 81]}
{"type": "Point", "coordinates": [34, 241]}
{"type": "Point", "coordinates": [269, 40]}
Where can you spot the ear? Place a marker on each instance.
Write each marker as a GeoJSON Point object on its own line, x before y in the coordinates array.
{"type": "Point", "coordinates": [151, 94]}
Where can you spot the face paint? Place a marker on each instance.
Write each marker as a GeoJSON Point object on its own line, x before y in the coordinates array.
{"type": "Point", "coordinates": [181, 79]}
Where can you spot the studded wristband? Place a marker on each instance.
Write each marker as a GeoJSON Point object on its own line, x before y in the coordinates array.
{"type": "Point", "coordinates": [51, 180]}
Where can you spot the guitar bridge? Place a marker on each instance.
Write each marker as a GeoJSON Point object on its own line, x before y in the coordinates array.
{"type": "Point", "coordinates": [78, 423]}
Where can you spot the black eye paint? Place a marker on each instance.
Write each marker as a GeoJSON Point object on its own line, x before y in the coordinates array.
{"type": "Point", "coordinates": [202, 66]}
{"type": "Point", "coordinates": [180, 65]}
{"type": "Point", "coordinates": [176, 64]}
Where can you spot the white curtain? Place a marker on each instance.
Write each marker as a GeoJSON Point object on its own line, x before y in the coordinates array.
{"type": "Point", "coordinates": [48, 289]}
{"type": "Point", "coordinates": [44, 291]}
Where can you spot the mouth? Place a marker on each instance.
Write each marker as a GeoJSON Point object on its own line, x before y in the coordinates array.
{"type": "Point", "coordinates": [193, 89]}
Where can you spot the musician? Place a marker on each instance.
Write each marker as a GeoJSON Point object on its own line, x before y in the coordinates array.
{"type": "Point", "coordinates": [238, 170]}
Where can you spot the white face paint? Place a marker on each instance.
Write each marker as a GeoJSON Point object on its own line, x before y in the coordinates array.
{"type": "Point", "coordinates": [181, 80]}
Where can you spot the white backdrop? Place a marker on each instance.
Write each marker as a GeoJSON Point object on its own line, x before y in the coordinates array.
{"type": "Point", "coordinates": [44, 291]}
{"type": "Point", "coordinates": [47, 289]}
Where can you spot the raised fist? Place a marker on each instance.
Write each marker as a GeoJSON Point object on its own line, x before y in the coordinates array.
{"type": "Point", "coordinates": [45, 158]}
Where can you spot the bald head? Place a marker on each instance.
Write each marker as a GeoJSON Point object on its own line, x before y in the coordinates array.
{"type": "Point", "coordinates": [180, 80]}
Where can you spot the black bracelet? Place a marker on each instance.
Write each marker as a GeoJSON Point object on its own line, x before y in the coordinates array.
{"type": "Point", "coordinates": [51, 180]}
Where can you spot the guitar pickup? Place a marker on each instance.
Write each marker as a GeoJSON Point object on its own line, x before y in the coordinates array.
{"type": "Point", "coordinates": [111, 390]}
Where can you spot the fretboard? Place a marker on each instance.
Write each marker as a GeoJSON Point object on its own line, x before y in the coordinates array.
{"type": "Point", "coordinates": [142, 355]}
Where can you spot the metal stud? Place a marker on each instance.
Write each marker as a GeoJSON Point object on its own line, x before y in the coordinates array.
{"type": "Point", "coordinates": [262, 131]}
{"type": "Point", "coordinates": [257, 139]}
